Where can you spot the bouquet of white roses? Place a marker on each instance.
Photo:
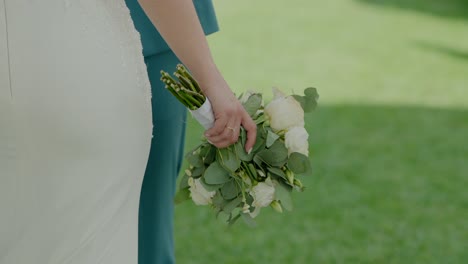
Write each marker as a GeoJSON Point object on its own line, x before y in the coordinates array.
{"type": "Point", "coordinates": [232, 181]}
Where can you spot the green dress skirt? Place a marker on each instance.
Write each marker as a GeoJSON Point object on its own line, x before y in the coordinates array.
{"type": "Point", "coordinates": [156, 245]}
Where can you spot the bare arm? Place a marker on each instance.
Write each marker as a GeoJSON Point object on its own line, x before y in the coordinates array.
{"type": "Point", "coordinates": [178, 23]}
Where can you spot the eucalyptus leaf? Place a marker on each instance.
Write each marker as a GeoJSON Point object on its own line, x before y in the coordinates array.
{"type": "Point", "coordinates": [275, 156]}
{"type": "Point", "coordinates": [216, 174]}
{"type": "Point", "coordinates": [309, 100]}
{"type": "Point", "coordinates": [283, 194]}
{"type": "Point", "coordinates": [198, 171]}
{"type": "Point", "coordinates": [234, 219]}
{"type": "Point", "coordinates": [258, 160]}
{"type": "Point", "coordinates": [260, 119]}
{"type": "Point", "coordinates": [277, 172]}
{"type": "Point", "coordinates": [210, 156]}
{"type": "Point", "coordinates": [253, 104]}
{"type": "Point", "coordinates": [259, 144]}
{"type": "Point", "coordinates": [298, 163]}
{"type": "Point", "coordinates": [194, 159]}
{"type": "Point", "coordinates": [218, 201]}
{"type": "Point", "coordinates": [241, 153]}
{"type": "Point", "coordinates": [210, 187]}
{"type": "Point", "coordinates": [252, 171]}
{"type": "Point", "coordinates": [243, 136]}
{"type": "Point", "coordinates": [204, 149]}
{"type": "Point", "coordinates": [310, 105]}
{"type": "Point", "coordinates": [311, 92]}
{"type": "Point", "coordinates": [184, 181]}
{"type": "Point", "coordinates": [260, 140]}
{"type": "Point", "coordinates": [249, 220]}
{"type": "Point", "coordinates": [229, 190]}
{"type": "Point", "coordinates": [195, 149]}
{"type": "Point", "coordinates": [228, 159]}
{"type": "Point", "coordinates": [301, 100]}
{"type": "Point", "coordinates": [182, 195]}
{"type": "Point", "coordinates": [271, 138]}
{"type": "Point", "coordinates": [232, 204]}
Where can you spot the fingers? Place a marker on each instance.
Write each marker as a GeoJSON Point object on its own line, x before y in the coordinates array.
{"type": "Point", "coordinates": [226, 129]}
{"type": "Point", "coordinates": [251, 129]}
{"type": "Point", "coordinates": [218, 127]}
{"type": "Point", "coordinates": [228, 136]}
{"type": "Point", "coordinates": [233, 130]}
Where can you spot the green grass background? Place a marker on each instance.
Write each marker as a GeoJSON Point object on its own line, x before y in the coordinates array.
{"type": "Point", "coordinates": [389, 141]}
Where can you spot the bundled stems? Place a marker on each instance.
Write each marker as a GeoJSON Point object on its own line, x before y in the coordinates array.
{"type": "Point", "coordinates": [184, 88]}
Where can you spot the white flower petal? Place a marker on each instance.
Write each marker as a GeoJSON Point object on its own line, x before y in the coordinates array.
{"type": "Point", "coordinates": [199, 194]}
{"type": "Point", "coordinates": [263, 193]}
{"type": "Point", "coordinates": [284, 112]}
{"type": "Point", "coordinates": [296, 140]}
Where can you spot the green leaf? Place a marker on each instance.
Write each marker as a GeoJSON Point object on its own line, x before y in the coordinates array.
{"type": "Point", "coordinates": [210, 187]}
{"type": "Point", "coordinates": [243, 136]}
{"type": "Point", "coordinates": [218, 201]}
{"type": "Point", "coordinates": [275, 156]}
{"type": "Point", "coordinates": [229, 190]}
{"type": "Point", "coordinates": [210, 156]}
{"type": "Point", "coordinates": [249, 220]}
{"type": "Point", "coordinates": [216, 174]}
{"type": "Point", "coordinates": [252, 171]}
{"type": "Point", "coordinates": [277, 172]}
{"type": "Point", "coordinates": [184, 182]}
{"type": "Point", "coordinates": [283, 194]}
{"type": "Point", "coordinates": [182, 195]}
{"type": "Point", "coordinates": [232, 204]}
{"type": "Point", "coordinates": [253, 104]}
{"type": "Point", "coordinates": [301, 100]}
{"type": "Point", "coordinates": [310, 105]}
{"type": "Point", "coordinates": [258, 160]}
{"type": "Point", "coordinates": [241, 153]}
{"type": "Point", "coordinates": [260, 119]}
{"type": "Point", "coordinates": [298, 163]}
{"type": "Point", "coordinates": [309, 100]}
{"type": "Point", "coordinates": [228, 159]}
{"type": "Point", "coordinates": [260, 140]}
{"type": "Point", "coordinates": [194, 159]}
{"type": "Point", "coordinates": [198, 171]}
{"type": "Point", "coordinates": [259, 144]}
{"type": "Point", "coordinates": [195, 149]}
{"type": "Point", "coordinates": [234, 219]}
{"type": "Point", "coordinates": [204, 149]}
{"type": "Point", "coordinates": [311, 92]}
{"type": "Point", "coordinates": [271, 138]}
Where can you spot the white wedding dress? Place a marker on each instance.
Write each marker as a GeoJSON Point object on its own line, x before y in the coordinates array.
{"type": "Point", "coordinates": [75, 132]}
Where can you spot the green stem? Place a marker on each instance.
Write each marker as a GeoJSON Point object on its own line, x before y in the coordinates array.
{"type": "Point", "coordinates": [200, 97]}
{"type": "Point", "coordinates": [176, 95]}
{"type": "Point", "coordinates": [189, 85]}
{"type": "Point", "coordinates": [247, 170]}
{"type": "Point", "coordinates": [193, 102]}
{"type": "Point", "coordinates": [184, 100]}
{"type": "Point", "coordinates": [182, 70]}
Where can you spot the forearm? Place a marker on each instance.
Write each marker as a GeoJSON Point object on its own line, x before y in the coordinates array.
{"type": "Point", "coordinates": [178, 24]}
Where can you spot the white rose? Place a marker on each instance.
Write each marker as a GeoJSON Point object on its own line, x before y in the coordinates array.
{"type": "Point", "coordinates": [296, 140]}
{"type": "Point", "coordinates": [263, 194]}
{"type": "Point", "coordinates": [284, 112]}
{"type": "Point", "coordinates": [199, 194]}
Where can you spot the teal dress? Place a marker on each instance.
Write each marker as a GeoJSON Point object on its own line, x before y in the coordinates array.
{"type": "Point", "coordinates": [155, 230]}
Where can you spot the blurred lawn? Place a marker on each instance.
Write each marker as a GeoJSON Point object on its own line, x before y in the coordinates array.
{"type": "Point", "coordinates": [389, 141]}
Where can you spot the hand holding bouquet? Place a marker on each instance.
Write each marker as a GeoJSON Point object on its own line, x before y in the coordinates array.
{"type": "Point", "coordinates": [232, 180]}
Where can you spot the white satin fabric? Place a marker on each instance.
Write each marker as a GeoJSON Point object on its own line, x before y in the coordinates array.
{"type": "Point", "coordinates": [75, 132]}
